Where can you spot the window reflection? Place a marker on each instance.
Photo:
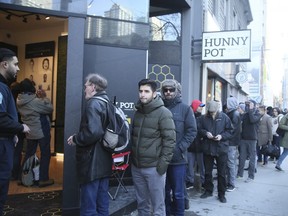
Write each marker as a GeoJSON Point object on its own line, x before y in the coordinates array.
{"type": "Point", "coordinates": [74, 6]}
{"type": "Point", "coordinates": [116, 32]}
{"type": "Point", "coordinates": [133, 10]}
{"type": "Point", "coordinates": [165, 28]}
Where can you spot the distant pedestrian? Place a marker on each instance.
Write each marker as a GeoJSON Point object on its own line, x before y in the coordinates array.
{"type": "Point", "coordinates": [249, 137]}
{"type": "Point", "coordinates": [264, 134]}
{"type": "Point", "coordinates": [284, 142]}
{"type": "Point", "coordinates": [276, 117]}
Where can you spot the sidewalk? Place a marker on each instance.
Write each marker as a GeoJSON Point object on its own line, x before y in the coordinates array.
{"type": "Point", "coordinates": [267, 195]}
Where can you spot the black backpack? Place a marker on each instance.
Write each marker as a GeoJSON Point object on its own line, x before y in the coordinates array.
{"type": "Point", "coordinates": [117, 133]}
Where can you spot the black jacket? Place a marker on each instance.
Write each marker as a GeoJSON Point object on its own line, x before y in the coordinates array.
{"type": "Point", "coordinates": [220, 126]}
{"type": "Point", "coordinates": [9, 125]}
{"type": "Point", "coordinates": [235, 118]}
{"type": "Point", "coordinates": [92, 159]}
{"type": "Point", "coordinates": [196, 145]}
{"type": "Point", "coordinates": [250, 124]}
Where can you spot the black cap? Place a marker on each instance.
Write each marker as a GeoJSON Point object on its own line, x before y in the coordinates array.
{"type": "Point", "coordinates": [6, 54]}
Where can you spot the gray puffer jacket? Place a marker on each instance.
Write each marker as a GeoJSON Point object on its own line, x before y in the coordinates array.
{"type": "Point", "coordinates": [30, 108]}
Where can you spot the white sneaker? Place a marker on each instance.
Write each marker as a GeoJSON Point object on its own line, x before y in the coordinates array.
{"type": "Point", "coordinates": [248, 180]}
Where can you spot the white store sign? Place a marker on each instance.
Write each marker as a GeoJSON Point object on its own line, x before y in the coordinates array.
{"type": "Point", "coordinates": [224, 46]}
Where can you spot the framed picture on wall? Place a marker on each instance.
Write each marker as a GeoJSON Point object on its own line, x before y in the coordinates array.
{"type": "Point", "coordinates": [40, 71]}
{"type": "Point", "coordinates": [39, 65]}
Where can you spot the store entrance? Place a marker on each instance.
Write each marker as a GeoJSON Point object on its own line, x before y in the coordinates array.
{"type": "Point", "coordinates": [38, 39]}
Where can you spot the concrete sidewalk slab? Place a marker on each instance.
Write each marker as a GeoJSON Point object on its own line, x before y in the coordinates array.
{"type": "Point", "coordinates": [267, 195]}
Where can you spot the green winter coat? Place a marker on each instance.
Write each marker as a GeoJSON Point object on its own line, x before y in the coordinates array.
{"type": "Point", "coordinates": [283, 125]}
{"type": "Point", "coordinates": [153, 136]}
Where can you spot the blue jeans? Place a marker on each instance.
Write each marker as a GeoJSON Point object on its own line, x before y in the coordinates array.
{"type": "Point", "coordinates": [175, 181]}
{"type": "Point", "coordinates": [231, 165]}
{"type": "Point", "coordinates": [195, 157]}
{"type": "Point", "coordinates": [6, 164]}
{"type": "Point", "coordinates": [94, 198]}
{"type": "Point", "coordinates": [282, 156]}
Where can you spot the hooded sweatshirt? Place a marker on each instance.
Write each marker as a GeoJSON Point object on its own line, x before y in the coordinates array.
{"type": "Point", "coordinates": [30, 108]}
{"type": "Point", "coordinates": [232, 103]}
{"type": "Point", "coordinates": [235, 118]}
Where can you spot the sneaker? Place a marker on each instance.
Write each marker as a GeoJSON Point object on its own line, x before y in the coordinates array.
{"type": "Point", "coordinates": [249, 180]}
{"type": "Point", "coordinates": [46, 183]}
{"type": "Point", "coordinates": [222, 199]}
{"type": "Point", "coordinates": [279, 168]}
{"type": "Point", "coordinates": [189, 185]}
{"type": "Point", "coordinates": [205, 195]}
{"type": "Point", "coordinates": [230, 188]}
{"type": "Point", "coordinates": [239, 177]}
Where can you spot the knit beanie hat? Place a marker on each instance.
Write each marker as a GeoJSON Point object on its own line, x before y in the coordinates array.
{"type": "Point", "coordinates": [212, 106]}
{"type": "Point", "coordinates": [195, 104]}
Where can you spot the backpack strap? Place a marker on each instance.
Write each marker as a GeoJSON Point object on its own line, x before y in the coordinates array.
{"type": "Point", "coordinates": [101, 98]}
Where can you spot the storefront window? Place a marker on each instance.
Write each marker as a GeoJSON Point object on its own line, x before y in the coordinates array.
{"type": "Point", "coordinates": [73, 6]}
{"type": "Point", "coordinates": [132, 10]}
{"type": "Point", "coordinates": [166, 27]}
{"type": "Point", "coordinates": [118, 33]}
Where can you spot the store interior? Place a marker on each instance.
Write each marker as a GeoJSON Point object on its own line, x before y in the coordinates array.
{"type": "Point", "coordinates": [19, 29]}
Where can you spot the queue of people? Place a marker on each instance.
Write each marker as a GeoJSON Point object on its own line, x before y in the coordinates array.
{"type": "Point", "coordinates": [170, 142]}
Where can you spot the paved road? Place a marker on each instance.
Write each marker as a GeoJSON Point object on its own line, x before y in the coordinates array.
{"type": "Point", "coordinates": [267, 195]}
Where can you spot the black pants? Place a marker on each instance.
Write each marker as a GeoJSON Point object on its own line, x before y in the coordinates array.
{"type": "Point", "coordinates": [221, 162]}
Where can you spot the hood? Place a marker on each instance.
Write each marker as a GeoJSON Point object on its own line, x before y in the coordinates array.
{"type": "Point", "coordinates": [232, 103]}
{"type": "Point", "coordinates": [173, 84]}
{"type": "Point", "coordinates": [23, 99]}
{"type": "Point", "coordinates": [147, 108]}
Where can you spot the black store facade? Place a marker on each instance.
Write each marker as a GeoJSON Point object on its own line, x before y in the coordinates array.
{"type": "Point", "coordinates": [122, 40]}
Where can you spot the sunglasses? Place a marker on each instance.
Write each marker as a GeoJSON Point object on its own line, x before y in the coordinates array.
{"type": "Point", "coordinates": [169, 89]}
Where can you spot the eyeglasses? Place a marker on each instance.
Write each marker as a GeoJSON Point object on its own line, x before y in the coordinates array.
{"type": "Point", "coordinates": [169, 89]}
{"type": "Point", "coordinates": [85, 86]}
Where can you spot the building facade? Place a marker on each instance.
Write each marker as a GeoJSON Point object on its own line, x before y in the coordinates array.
{"type": "Point", "coordinates": [125, 41]}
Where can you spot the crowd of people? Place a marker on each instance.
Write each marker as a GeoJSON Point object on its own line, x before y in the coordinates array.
{"type": "Point", "coordinates": [170, 142]}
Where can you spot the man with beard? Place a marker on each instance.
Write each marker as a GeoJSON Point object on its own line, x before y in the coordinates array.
{"type": "Point", "coordinates": [186, 131]}
{"type": "Point", "coordinates": [153, 141]}
{"type": "Point", "coordinates": [9, 125]}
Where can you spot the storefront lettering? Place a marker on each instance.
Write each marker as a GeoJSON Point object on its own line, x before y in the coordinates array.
{"type": "Point", "coordinates": [214, 46]}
